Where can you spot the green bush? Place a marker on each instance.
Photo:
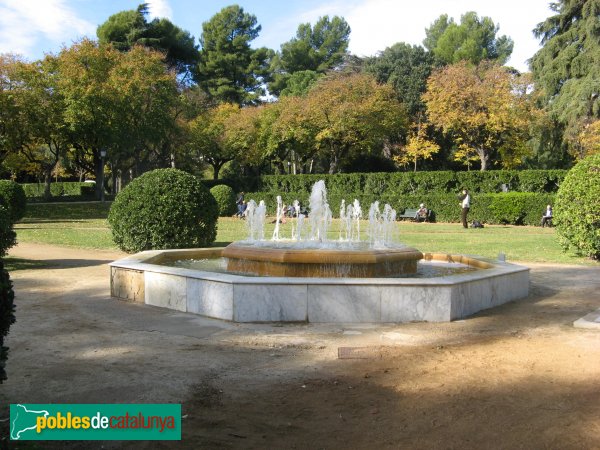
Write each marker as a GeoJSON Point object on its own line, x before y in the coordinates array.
{"type": "Point", "coordinates": [408, 183]}
{"type": "Point", "coordinates": [58, 189]}
{"type": "Point", "coordinates": [12, 197]}
{"type": "Point", "coordinates": [7, 316]}
{"type": "Point", "coordinates": [7, 234]}
{"type": "Point", "coordinates": [165, 208]}
{"type": "Point", "coordinates": [225, 198]}
{"type": "Point", "coordinates": [577, 208]}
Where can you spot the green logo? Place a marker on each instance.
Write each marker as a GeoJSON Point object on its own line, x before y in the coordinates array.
{"type": "Point", "coordinates": [90, 422]}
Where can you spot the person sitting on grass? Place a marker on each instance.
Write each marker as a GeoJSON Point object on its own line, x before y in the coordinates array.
{"type": "Point", "coordinates": [421, 214]}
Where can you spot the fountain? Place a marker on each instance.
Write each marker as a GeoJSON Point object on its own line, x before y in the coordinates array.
{"type": "Point", "coordinates": [311, 278]}
{"type": "Point", "coordinates": [317, 256]}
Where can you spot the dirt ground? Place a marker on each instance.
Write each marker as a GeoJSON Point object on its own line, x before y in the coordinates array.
{"type": "Point", "coordinates": [516, 376]}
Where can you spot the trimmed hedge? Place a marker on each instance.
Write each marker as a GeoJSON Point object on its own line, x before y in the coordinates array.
{"type": "Point", "coordinates": [164, 208]}
{"type": "Point", "coordinates": [225, 197]}
{"type": "Point", "coordinates": [406, 183]}
{"type": "Point", "coordinates": [577, 208]}
{"type": "Point", "coordinates": [12, 197]}
{"type": "Point", "coordinates": [58, 189]}
{"type": "Point", "coordinates": [514, 208]}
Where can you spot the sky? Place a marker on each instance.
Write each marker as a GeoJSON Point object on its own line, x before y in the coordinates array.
{"type": "Point", "coordinates": [32, 28]}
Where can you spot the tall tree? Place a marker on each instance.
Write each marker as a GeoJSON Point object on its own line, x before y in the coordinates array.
{"type": "Point", "coordinates": [118, 102]}
{"type": "Point", "coordinates": [229, 69]}
{"type": "Point", "coordinates": [315, 48]}
{"type": "Point", "coordinates": [207, 139]}
{"type": "Point", "coordinates": [11, 133]}
{"type": "Point", "coordinates": [473, 40]}
{"type": "Point", "coordinates": [567, 67]}
{"type": "Point", "coordinates": [43, 124]}
{"type": "Point", "coordinates": [353, 115]}
{"type": "Point", "coordinates": [129, 28]}
{"type": "Point", "coordinates": [483, 107]}
{"type": "Point", "coordinates": [407, 68]}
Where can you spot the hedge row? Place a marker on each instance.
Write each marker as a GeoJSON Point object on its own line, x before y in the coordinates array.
{"type": "Point", "coordinates": [61, 188]}
{"type": "Point", "coordinates": [406, 183]}
{"type": "Point", "coordinates": [515, 208]}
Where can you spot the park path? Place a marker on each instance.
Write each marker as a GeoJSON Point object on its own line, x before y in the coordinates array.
{"type": "Point", "coordinates": [518, 375]}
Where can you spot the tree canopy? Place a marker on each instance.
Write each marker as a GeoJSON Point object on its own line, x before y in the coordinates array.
{"type": "Point", "coordinates": [129, 28]}
{"type": "Point", "coordinates": [483, 107]}
{"type": "Point", "coordinates": [406, 68]}
{"type": "Point", "coordinates": [473, 40]}
{"type": "Point", "coordinates": [229, 69]}
{"type": "Point", "coordinates": [567, 67]}
{"type": "Point", "coordinates": [315, 48]}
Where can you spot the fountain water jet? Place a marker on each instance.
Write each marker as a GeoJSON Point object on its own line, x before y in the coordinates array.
{"type": "Point", "coordinates": [320, 257]}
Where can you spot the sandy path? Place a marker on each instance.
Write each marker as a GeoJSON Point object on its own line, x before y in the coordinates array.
{"type": "Point", "coordinates": [517, 376]}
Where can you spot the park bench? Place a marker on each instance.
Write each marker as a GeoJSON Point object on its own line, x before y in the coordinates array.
{"type": "Point", "coordinates": [410, 214]}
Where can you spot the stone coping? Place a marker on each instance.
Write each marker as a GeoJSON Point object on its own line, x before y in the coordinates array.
{"type": "Point", "coordinates": [149, 261]}
{"type": "Point", "coordinates": [589, 321]}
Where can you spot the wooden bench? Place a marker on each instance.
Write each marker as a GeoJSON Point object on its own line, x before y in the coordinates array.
{"type": "Point", "coordinates": [412, 213]}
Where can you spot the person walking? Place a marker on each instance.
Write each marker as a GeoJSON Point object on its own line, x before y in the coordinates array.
{"type": "Point", "coordinates": [465, 204]}
{"type": "Point", "coordinates": [240, 204]}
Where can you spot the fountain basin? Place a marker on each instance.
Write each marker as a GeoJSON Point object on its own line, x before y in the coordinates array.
{"type": "Point", "coordinates": [354, 261]}
{"type": "Point", "coordinates": [141, 278]}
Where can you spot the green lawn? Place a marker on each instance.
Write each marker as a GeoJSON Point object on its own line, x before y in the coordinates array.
{"type": "Point", "coordinates": [84, 225]}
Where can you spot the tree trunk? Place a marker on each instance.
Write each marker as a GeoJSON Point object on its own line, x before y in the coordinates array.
{"type": "Point", "coordinates": [98, 173]}
{"type": "Point", "coordinates": [47, 181]}
{"type": "Point", "coordinates": [484, 157]}
{"type": "Point", "coordinates": [216, 170]}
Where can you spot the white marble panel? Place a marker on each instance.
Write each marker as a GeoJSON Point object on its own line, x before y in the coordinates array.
{"type": "Point", "coordinates": [344, 303]}
{"type": "Point", "coordinates": [408, 303]}
{"type": "Point", "coordinates": [210, 298]}
{"type": "Point", "coordinates": [167, 291]}
{"type": "Point", "coordinates": [270, 303]}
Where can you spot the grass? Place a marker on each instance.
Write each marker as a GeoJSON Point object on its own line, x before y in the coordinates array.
{"type": "Point", "coordinates": [84, 225]}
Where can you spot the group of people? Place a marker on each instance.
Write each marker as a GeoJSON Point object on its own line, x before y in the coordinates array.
{"type": "Point", "coordinates": [422, 213]}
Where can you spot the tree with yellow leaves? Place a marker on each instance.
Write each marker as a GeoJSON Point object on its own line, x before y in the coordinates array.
{"type": "Point", "coordinates": [484, 107]}
{"type": "Point", "coordinates": [418, 146]}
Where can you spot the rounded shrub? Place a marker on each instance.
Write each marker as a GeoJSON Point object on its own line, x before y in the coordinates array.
{"type": "Point", "coordinates": [225, 198]}
{"type": "Point", "coordinates": [577, 208]}
{"type": "Point", "coordinates": [7, 234]}
{"type": "Point", "coordinates": [165, 208]}
{"type": "Point", "coordinates": [7, 316]}
{"type": "Point", "coordinates": [12, 197]}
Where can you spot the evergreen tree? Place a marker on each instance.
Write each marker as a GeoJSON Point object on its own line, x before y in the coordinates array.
{"type": "Point", "coordinates": [567, 67]}
{"type": "Point", "coordinates": [315, 48]}
{"type": "Point", "coordinates": [229, 69]}
{"type": "Point", "coordinates": [473, 40]}
{"type": "Point", "coordinates": [128, 28]}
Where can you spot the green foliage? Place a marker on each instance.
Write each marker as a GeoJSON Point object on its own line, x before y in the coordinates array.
{"type": "Point", "coordinates": [406, 183]}
{"type": "Point", "coordinates": [406, 68]}
{"type": "Point", "coordinates": [314, 49]}
{"type": "Point", "coordinates": [567, 67]}
{"type": "Point", "coordinates": [129, 28]}
{"type": "Point", "coordinates": [12, 197]}
{"type": "Point", "coordinates": [7, 316]}
{"type": "Point", "coordinates": [513, 208]}
{"type": "Point", "coordinates": [58, 189]}
{"type": "Point", "coordinates": [474, 40]}
{"type": "Point", "coordinates": [299, 83]}
{"type": "Point", "coordinates": [164, 208]}
{"type": "Point", "coordinates": [225, 197]}
{"type": "Point", "coordinates": [7, 235]}
{"type": "Point", "coordinates": [577, 208]}
{"type": "Point", "coordinates": [229, 69]}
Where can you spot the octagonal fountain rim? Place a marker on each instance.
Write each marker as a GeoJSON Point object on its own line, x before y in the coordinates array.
{"type": "Point", "coordinates": [152, 260]}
